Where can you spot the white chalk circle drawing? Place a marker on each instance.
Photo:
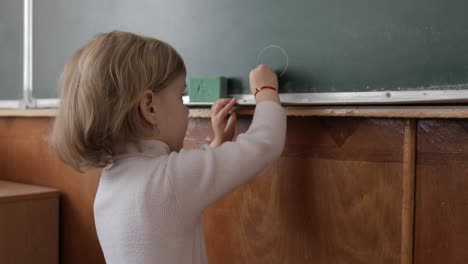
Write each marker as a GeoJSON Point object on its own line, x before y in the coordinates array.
{"type": "Point", "coordinates": [271, 56]}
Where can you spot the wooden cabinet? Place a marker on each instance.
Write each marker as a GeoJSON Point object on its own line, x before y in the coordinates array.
{"type": "Point", "coordinates": [29, 229]}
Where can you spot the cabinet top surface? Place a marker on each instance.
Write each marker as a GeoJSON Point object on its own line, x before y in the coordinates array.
{"type": "Point", "coordinates": [13, 191]}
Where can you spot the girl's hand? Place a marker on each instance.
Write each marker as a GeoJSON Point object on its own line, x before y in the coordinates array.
{"type": "Point", "coordinates": [263, 75]}
{"type": "Point", "coordinates": [223, 127]}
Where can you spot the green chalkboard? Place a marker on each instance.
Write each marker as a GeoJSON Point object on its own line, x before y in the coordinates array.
{"type": "Point", "coordinates": [327, 45]}
{"type": "Point", "coordinates": [11, 49]}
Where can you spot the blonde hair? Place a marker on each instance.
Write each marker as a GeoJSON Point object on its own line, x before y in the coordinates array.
{"type": "Point", "coordinates": [100, 89]}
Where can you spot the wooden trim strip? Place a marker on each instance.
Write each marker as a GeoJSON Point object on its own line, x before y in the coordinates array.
{"type": "Point", "coordinates": [408, 178]}
{"type": "Point", "coordinates": [337, 111]}
{"type": "Point", "coordinates": [417, 112]}
{"type": "Point", "coordinates": [383, 111]}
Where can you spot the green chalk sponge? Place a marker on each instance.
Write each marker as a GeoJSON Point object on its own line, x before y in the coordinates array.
{"type": "Point", "coordinates": [207, 89]}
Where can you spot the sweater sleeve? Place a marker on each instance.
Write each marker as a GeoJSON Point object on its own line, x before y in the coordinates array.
{"type": "Point", "coordinates": [200, 177]}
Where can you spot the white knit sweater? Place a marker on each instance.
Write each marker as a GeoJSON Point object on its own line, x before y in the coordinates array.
{"type": "Point", "coordinates": [148, 205]}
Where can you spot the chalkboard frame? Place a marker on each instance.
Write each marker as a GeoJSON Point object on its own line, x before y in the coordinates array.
{"type": "Point", "coordinates": [20, 103]}
{"type": "Point", "coordinates": [446, 94]}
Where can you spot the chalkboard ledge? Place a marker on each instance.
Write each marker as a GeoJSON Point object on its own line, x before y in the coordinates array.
{"type": "Point", "coordinates": [304, 111]}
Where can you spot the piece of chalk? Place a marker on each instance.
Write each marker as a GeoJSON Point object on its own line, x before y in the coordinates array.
{"type": "Point", "coordinates": [207, 89]}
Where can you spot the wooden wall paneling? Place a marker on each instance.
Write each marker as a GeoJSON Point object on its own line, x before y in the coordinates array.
{"type": "Point", "coordinates": [441, 205]}
{"type": "Point", "coordinates": [333, 197]}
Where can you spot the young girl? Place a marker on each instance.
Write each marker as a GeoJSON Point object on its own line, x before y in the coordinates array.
{"type": "Point", "coordinates": [121, 109]}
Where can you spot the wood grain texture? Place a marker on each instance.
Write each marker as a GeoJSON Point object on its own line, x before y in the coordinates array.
{"type": "Point", "coordinates": [29, 231]}
{"type": "Point", "coordinates": [321, 202]}
{"type": "Point", "coordinates": [29, 224]}
{"type": "Point", "coordinates": [439, 111]}
{"type": "Point", "coordinates": [333, 197]}
{"type": "Point", "coordinates": [409, 175]}
{"type": "Point", "coordinates": [441, 215]}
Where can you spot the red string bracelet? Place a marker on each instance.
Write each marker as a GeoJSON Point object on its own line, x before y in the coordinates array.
{"type": "Point", "coordinates": [263, 87]}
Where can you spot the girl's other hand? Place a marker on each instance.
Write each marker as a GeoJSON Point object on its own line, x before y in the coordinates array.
{"type": "Point", "coordinates": [223, 127]}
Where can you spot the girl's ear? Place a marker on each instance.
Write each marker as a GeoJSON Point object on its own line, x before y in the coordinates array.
{"type": "Point", "coordinates": [147, 107]}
